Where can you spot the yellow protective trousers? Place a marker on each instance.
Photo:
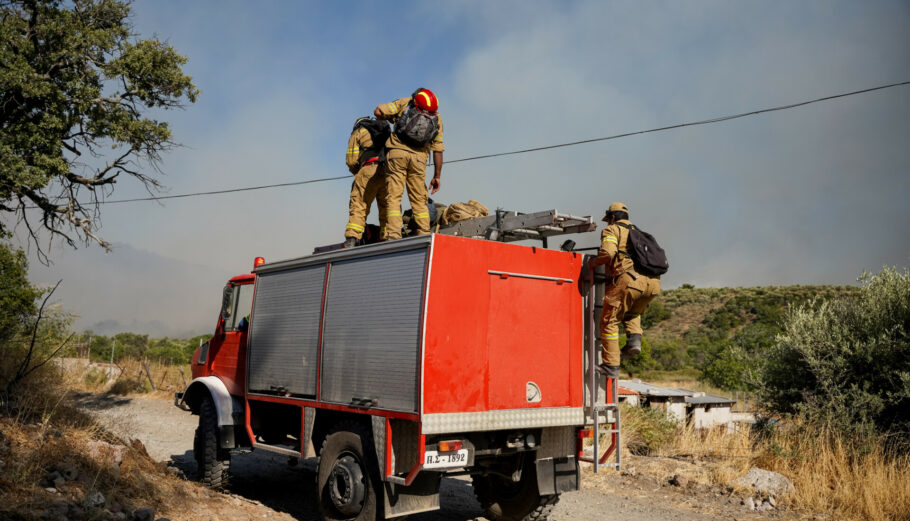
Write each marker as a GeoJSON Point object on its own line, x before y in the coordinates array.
{"type": "Point", "coordinates": [624, 301]}
{"type": "Point", "coordinates": [406, 170]}
{"type": "Point", "coordinates": [369, 185]}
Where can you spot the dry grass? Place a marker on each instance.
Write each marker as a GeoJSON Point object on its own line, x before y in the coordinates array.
{"type": "Point", "coordinates": [859, 479]}
{"type": "Point", "coordinates": [127, 377]}
{"type": "Point", "coordinates": [40, 432]}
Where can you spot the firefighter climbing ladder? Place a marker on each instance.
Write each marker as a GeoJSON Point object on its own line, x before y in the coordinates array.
{"type": "Point", "coordinates": [606, 412]}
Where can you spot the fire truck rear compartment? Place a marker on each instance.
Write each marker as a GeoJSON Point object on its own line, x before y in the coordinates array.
{"type": "Point", "coordinates": [420, 341]}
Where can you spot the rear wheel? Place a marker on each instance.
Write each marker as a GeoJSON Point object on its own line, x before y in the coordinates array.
{"type": "Point", "coordinates": [347, 479]}
{"type": "Point", "coordinates": [505, 500]}
{"type": "Point", "coordinates": [213, 462]}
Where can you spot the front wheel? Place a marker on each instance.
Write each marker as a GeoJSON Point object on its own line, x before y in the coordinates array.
{"type": "Point", "coordinates": [213, 462]}
{"type": "Point", "coordinates": [505, 500]}
{"type": "Point", "coordinates": [346, 479]}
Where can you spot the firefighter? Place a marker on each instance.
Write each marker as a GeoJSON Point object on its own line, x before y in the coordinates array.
{"type": "Point", "coordinates": [626, 297]}
{"type": "Point", "coordinates": [418, 131]}
{"type": "Point", "coordinates": [363, 160]}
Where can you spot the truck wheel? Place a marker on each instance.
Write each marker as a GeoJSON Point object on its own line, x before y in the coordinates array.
{"type": "Point", "coordinates": [505, 500]}
{"type": "Point", "coordinates": [347, 478]}
{"type": "Point", "coordinates": [213, 462]}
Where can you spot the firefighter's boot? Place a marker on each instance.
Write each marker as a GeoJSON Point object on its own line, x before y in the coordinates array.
{"type": "Point", "coordinates": [632, 347]}
{"type": "Point", "coordinates": [350, 242]}
{"type": "Point", "coordinates": [610, 371]}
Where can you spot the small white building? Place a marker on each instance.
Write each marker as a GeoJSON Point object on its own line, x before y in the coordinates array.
{"type": "Point", "coordinates": [629, 396]}
{"type": "Point", "coordinates": [706, 411]}
{"type": "Point", "coordinates": [672, 401]}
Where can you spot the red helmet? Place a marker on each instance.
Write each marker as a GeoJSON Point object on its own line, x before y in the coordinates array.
{"type": "Point", "coordinates": [425, 100]}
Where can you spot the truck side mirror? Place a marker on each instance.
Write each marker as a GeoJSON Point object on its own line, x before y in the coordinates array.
{"type": "Point", "coordinates": [226, 302]}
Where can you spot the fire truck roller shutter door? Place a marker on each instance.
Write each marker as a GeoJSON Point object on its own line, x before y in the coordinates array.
{"type": "Point", "coordinates": [285, 331]}
{"type": "Point", "coordinates": [371, 335]}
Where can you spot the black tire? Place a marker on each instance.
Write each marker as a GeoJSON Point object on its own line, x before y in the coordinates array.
{"type": "Point", "coordinates": [505, 500]}
{"type": "Point", "coordinates": [348, 477]}
{"type": "Point", "coordinates": [214, 463]}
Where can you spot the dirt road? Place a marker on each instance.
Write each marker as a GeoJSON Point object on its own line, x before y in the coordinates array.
{"type": "Point", "coordinates": [289, 492]}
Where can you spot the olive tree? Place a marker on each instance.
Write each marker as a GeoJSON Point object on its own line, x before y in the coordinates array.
{"type": "Point", "coordinates": [78, 96]}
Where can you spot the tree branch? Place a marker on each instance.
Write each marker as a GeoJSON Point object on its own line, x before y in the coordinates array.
{"type": "Point", "coordinates": [21, 372]}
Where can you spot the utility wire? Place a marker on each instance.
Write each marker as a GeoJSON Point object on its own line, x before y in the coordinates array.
{"type": "Point", "coordinates": [526, 150]}
{"type": "Point", "coordinates": [227, 191]}
{"type": "Point", "coordinates": [681, 125]}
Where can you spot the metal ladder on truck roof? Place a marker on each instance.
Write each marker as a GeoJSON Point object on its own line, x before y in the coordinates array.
{"type": "Point", "coordinates": [598, 412]}
{"type": "Point", "coordinates": [509, 226]}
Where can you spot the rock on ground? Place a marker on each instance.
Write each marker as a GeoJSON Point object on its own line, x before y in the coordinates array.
{"type": "Point", "coordinates": [765, 482]}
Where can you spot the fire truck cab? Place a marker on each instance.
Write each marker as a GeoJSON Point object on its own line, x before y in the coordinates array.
{"type": "Point", "coordinates": [400, 363]}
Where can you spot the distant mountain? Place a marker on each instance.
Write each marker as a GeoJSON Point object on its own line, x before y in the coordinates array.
{"type": "Point", "coordinates": [134, 290]}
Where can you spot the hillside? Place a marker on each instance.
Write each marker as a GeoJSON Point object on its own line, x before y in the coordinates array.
{"type": "Point", "coordinates": [716, 331]}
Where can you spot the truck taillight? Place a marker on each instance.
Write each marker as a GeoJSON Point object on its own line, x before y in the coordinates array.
{"type": "Point", "coordinates": [258, 262]}
{"type": "Point", "coordinates": [449, 446]}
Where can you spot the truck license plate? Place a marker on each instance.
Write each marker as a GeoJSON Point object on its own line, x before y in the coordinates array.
{"type": "Point", "coordinates": [433, 459]}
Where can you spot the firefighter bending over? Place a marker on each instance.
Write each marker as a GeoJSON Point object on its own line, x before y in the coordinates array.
{"type": "Point", "coordinates": [627, 296]}
{"type": "Point", "coordinates": [418, 130]}
{"type": "Point", "coordinates": [363, 158]}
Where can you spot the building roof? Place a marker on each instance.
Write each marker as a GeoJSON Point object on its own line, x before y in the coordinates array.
{"type": "Point", "coordinates": [627, 392]}
{"type": "Point", "coordinates": [646, 389]}
{"type": "Point", "coordinates": [708, 399]}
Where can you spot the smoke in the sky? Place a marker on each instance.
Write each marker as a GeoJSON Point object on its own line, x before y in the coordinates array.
{"type": "Point", "coordinates": [812, 195]}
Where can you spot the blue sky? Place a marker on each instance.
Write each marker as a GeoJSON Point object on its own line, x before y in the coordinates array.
{"type": "Point", "coordinates": [812, 195]}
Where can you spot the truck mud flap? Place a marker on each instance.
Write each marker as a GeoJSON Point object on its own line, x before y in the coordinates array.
{"type": "Point", "coordinates": [557, 475]}
{"type": "Point", "coordinates": [421, 496]}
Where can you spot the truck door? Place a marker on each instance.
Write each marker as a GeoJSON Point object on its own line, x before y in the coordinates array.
{"type": "Point", "coordinates": [228, 348]}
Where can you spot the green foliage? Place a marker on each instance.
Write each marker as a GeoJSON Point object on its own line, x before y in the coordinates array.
{"type": "Point", "coordinates": [17, 296]}
{"type": "Point", "coordinates": [668, 354]}
{"type": "Point", "coordinates": [642, 362]}
{"type": "Point", "coordinates": [75, 88]}
{"type": "Point", "coordinates": [30, 335]}
{"type": "Point", "coordinates": [846, 361]}
{"type": "Point", "coordinates": [655, 314]}
{"type": "Point", "coordinates": [723, 332]}
{"type": "Point", "coordinates": [132, 345]}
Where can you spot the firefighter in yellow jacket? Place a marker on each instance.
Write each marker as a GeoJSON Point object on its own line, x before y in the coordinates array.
{"type": "Point", "coordinates": [363, 161]}
{"type": "Point", "coordinates": [418, 131]}
{"type": "Point", "coordinates": [626, 297]}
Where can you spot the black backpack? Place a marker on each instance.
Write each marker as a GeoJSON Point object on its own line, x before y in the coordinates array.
{"type": "Point", "coordinates": [416, 128]}
{"type": "Point", "coordinates": [380, 131]}
{"type": "Point", "coordinates": [649, 258]}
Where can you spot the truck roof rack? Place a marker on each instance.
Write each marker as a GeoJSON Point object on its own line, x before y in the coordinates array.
{"type": "Point", "coordinates": [509, 226]}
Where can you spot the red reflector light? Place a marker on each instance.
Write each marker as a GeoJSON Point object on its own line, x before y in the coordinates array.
{"type": "Point", "coordinates": [586, 433]}
{"type": "Point", "coordinates": [258, 262]}
{"type": "Point", "coordinates": [449, 446]}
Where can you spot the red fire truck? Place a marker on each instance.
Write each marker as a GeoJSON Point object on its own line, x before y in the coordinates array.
{"type": "Point", "coordinates": [403, 362]}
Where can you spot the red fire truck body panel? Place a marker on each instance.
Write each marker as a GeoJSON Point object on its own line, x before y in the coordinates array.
{"type": "Point", "coordinates": [499, 318]}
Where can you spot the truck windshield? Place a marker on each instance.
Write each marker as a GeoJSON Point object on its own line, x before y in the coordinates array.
{"type": "Point", "coordinates": [241, 305]}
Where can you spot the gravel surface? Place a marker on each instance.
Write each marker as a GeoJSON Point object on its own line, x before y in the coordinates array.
{"type": "Point", "coordinates": [289, 491]}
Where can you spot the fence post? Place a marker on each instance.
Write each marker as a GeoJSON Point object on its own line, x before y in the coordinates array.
{"type": "Point", "coordinates": [110, 369]}
{"type": "Point", "coordinates": [148, 374]}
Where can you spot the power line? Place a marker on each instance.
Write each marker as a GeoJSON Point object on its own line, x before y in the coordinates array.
{"type": "Point", "coordinates": [526, 150]}
{"type": "Point", "coordinates": [681, 125]}
{"type": "Point", "coordinates": [227, 191]}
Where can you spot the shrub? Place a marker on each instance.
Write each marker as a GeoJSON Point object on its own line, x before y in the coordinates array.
{"type": "Point", "coordinates": [655, 313]}
{"type": "Point", "coordinates": [645, 430]}
{"type": "Point", "coordinates": [846, 362]}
